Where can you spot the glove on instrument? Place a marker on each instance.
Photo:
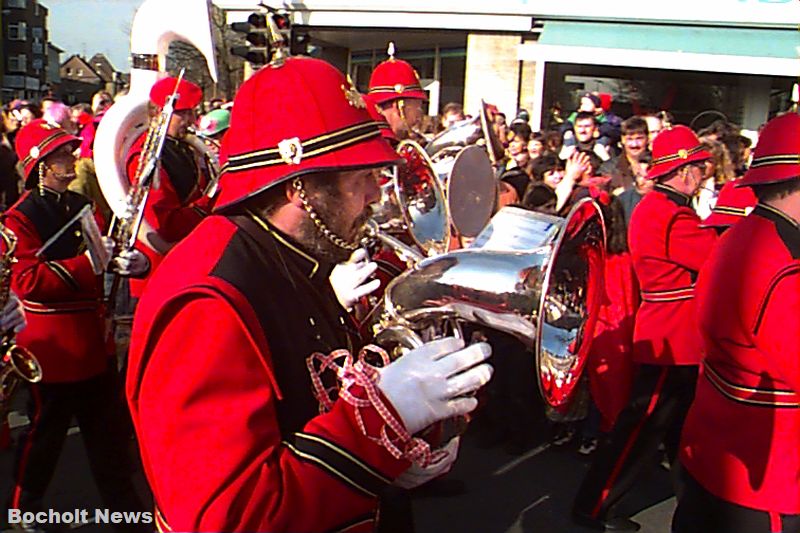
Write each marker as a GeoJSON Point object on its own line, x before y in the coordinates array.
{"type": "Point", "coordinates": [417, 475]}
{"type": "Point", "coordinates": [348, 278]}
{"type": "Point", "coordinates": [12, 316]}
{"type": "Point", "coordinates": [428, 383]}
{"type": "Point", "coordinates": [131, 263]}
{"type": "Point", "coordinates": [100, 264]}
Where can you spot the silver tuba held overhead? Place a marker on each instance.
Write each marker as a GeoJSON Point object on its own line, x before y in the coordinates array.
{"type": "Point", "coordinates": [536, 277]}
{"type": "Point", "coordinates": [463, 156]}
{"type": "Point", "coordinates": [155, 25]}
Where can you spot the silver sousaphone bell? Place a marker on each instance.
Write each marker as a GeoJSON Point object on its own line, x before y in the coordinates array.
{"type": "Point", "coordinates": [534, 276]}
{"type": "Point", "coordinates": [463, 157]}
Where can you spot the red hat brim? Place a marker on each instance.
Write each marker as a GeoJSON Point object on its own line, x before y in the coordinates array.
{"type": "Point", "coordinates": [381, 97]}
{"type": "Point", "coordinates": [236, 187]}
{"type": "Point", "coordinates": [769, 174]}
{"type": "Point", "coordinates": [662, 169]}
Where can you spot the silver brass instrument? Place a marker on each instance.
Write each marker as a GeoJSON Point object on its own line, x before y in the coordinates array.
{"type": "Point", "coordinates": [412, 207]}
{"type": "Point", "coordinates": [18, 363]}
{"type": "Point", "coordinates": [544, 293]}
{"type": "Point", "coordinates": [463, 156]}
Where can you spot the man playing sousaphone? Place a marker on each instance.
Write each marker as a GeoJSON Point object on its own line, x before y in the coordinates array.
{"type": "Point", "coordinates": [176, 203]}
{"type": "Point", "coordinates": [228, 419]}
{"type": "Point", "coordinates": [61, 286]}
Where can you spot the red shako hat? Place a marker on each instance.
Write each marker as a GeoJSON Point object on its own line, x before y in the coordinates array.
{"type": "Point", "coordinates": [293, 119]}
{"type": "Point", "coordinates": [733, 204]}
{"type": "Point", "coordinates": [674, 148]}
{"type": "Point", "coordinates": [189, 94]}
{"type": "Point", "coordinates": [777, 154]}
{"type": "Point", "coordinates": [37, 140]}
{"type": "Point", "coordinates": [394, 79]}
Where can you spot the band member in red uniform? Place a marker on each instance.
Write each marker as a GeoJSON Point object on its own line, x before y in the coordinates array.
{"type": "Point", "coordinates": [667, 248]}
{"type": "Point", "coordinates": [177, 202]}
{"type": "Point", "coordinates": [740, 440]}
{"type": "Point", "coordinates": [61, 287]}
{"type": "Point", "coordinates": [395, 88]}
{"type": "Point", "coordinates": [228, 419]}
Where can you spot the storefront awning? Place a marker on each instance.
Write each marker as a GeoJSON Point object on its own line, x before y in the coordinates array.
{"type": "Point", "coordinates": [703, 48]}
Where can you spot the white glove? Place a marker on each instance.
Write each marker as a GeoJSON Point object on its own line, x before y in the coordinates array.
{"type": "Point", "coordinates": [417, 475]}
{"type": "Point", "coordinates": [429, 383]}
{"type": "Point", "coordinates": [348, 279]}
{"type": "Point", "coordinates": [13, 315]}
{"type": "Point", "coordinates": [131, 263]}
{"type": "Point", "coordinates": [99, 264]}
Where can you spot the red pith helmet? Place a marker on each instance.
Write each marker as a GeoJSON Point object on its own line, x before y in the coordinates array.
{"type": "Point", "coordinates": [777, 154]}
{"type": "Point", "coordinates": [733, 204]}
{"type": "Point", "coordinates": [37, 140]}
{"type": "Point", "coordinates": [290, 120]}
{"type": "Point", "coordinates": [189, 94]}
{"type": "Point", "coordinates": [394, 79]}
{"type": "Point", "coordinates": [673, 148]}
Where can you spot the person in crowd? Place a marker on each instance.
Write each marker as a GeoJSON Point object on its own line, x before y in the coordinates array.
{"type": "Point", "coordinates": [26, 112]}
{"type": "Point", "coordinates": [667, 249]}
{"type": "Point", "coordinates": [10, 181]}
{"type": "Point", "coordinates": [605, 134]}
{"type": "Point", "coordinates": [451, 113]}
{"type": "Point", "coordinates": [178, 203]}
{"type": "Point", "coordinates": [292, 204]}
{"type": "Point", "coordinates": [395, 88]}
{"type": "Point", "coordinates": [584, 136]}
{"type": "Point", "coordinates": [61, 288]}
{"type": "Point", "coordinates": [554, 183]}
{"type": "Point", "coordinates": [747, 298]}
{"type": "Point", "coordinates": [536, 146]}
{"type": "Point", "coordinates": [631, 197]}
{"type": "Point", "coordinates": [719, 170]}
{"type": "Point", "coordinates": [517, 171]}
{"type": "Point", "coordinates": [212, 127]}
{"type": "Point", "coordinates": [58, 113]}
{"type": "Point", "coordinates": [655, 123]}
{"type": "Point", "coordinates": [500, 126]}
{"type": "Point", "coordinates": [624, 168]}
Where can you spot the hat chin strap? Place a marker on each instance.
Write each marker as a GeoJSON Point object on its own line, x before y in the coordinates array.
{"type": "Point", "coordinates": [297, 183]}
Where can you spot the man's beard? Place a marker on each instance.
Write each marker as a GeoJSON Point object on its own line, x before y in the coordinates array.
{"type": "Point", "coordinates": [326, 202]}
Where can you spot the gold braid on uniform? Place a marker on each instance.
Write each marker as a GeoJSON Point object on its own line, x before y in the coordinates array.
{"type": "Point", "coordinates": [297, 183]}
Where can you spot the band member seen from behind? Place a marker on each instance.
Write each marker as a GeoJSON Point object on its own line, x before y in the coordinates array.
{"type": "Point", "coordinates": [245, 396]}
{"type": "Point", "coordinates": [176, 203]}
{"type": "Point", "coordinates": [60, 285]}
{"type": "Point", "coordinates": [739, 446]}
{"type": "Point", "coordinates": [395, 88]}
{"type": "Point", "coordinates": [667, 249]}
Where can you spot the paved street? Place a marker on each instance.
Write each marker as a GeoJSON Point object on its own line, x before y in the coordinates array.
{"type": "Point", "coordinates": [504, 493]}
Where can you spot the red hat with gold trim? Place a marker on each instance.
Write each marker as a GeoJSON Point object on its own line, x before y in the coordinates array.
{"type": "Point", "coordinates": [375, 112]}
{"type": "Point", "coordinates": [37, 140]}
{"type": "Point", "coordinates": [777, 154]}
{"type": "Point", "coordinates": [674, 148]}
{"type": "Point", "coordinates": [733, 204]}
{"type": "Point", "coordinates": [189, 94]}
{"type": "Point", "coordinates": [298, 118]}
{"type": "Point", "coordinates": [394, 79]}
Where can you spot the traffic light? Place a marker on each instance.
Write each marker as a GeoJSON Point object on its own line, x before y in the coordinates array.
{"type": "Point", "coordinates": [257, 35]}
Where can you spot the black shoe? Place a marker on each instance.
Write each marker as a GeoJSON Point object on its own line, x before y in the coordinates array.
{"type": "Point", "coordinates": [605, 524]}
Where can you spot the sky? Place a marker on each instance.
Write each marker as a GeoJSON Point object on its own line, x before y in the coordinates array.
{"type": "Point", "coordinates": [87, 27]}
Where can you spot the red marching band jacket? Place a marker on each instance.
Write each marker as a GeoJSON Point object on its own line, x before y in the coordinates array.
{"type": "Point", "coordinates": [61, 294]}
{"type": "Point", "coordinates": [176, 203]}
{"type": "Point", "coordinates": [742, 434]}
{"type": "Point", "coordinates": [207, 406]}
{"type": "Point", "coordinates": [667, 248]}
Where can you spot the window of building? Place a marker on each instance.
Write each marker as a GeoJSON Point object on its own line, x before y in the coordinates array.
{"type": "Point", "coordinates": [37, 33]}
{"type": "Point", "coordinates": [69, 71]}
{"type": "Point", "coordinates": [17, 63]}
{"type": "Point", "coordinates": [17, 31]}
{"type": "Point", "coordinates": [17, 4]}
{"type": "Point", "coordinates": [37, 64]}
{"type": "Point", "coordinates": [37, 48]}
{"type": "Point", "coordinates": [80, 72]}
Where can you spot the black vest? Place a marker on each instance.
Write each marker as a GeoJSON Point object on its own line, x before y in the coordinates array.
{"type": "Point", "coordinates": [178, 160]}
{"type": "Point", "coordinates": [290, 293]}
{"type": "Point", "coordinates": [48, 211]}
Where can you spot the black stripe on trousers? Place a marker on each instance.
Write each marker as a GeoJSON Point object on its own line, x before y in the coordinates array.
{"type": "Point", "coordinates": [660, 399]}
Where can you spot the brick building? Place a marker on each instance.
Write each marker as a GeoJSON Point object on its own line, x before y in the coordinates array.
{"type": "Point", "coordinates": [25, 50]}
